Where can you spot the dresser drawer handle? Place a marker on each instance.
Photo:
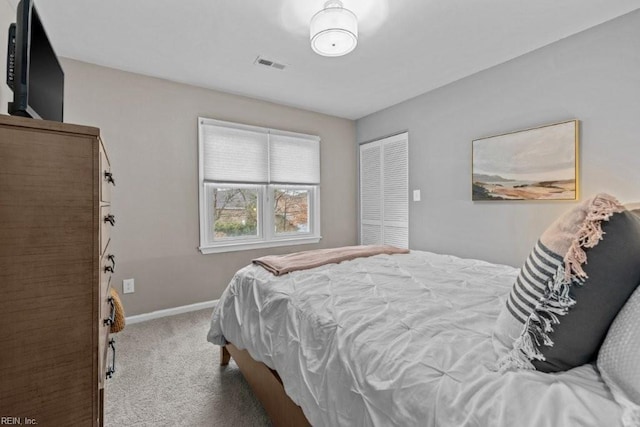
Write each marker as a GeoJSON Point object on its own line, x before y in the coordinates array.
{"type": "Point", "coordinates": [108, 176]}
{"type": "Point", "coordinates": [112, 317]}
{"type": "Point", "coordinates": [110, 268]}
{"type": "Point", "coordinates": [112, 369]}
{"type": "Point", "coordinates": [110, 219]}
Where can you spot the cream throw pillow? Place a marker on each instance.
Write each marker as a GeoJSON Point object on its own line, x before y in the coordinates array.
{"type": "Point", "coordinates": [619, 360]}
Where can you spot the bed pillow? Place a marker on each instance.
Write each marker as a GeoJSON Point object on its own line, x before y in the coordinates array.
{"type": "Point", "coordinates": [582, 270]}
{"type": "Point", "coordinates": [618, 360]}
{"type": "Point", "coordinates": [633, 207]}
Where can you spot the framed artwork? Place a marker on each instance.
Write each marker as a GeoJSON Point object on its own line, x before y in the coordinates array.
{"type": "Point", "coordinates": [532, 164]}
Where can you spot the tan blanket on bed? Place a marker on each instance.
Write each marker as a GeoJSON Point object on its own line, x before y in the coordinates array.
{"type": "Point", "coordinates": [283, 264]}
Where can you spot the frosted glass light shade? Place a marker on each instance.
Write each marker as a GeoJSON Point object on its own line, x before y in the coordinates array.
{"type": "Point", "coordinates": [334, 30]}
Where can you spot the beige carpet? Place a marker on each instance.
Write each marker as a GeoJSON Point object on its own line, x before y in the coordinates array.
{"type": "Point", "coordinates": [167, 374]}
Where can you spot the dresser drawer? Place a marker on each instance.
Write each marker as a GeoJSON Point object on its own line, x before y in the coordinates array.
{"type": "Point", "coordinates": [107, 222]}
{"type": "Point", "coordinates": [107, 268]}
{"type": "Point", "coordinates": [107, 358]}
{"type": "Point", "coordinates": [106, 177]}
{"type": "Point", "coordinates": [103, 337]}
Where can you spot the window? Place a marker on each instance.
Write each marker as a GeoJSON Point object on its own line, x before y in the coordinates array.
{"type": "Point", "coordinates": [291, 210]}
{"type": "Point", "coordinates": [235, 212]}
{"type": "Point", "coordinates": [258, 187]}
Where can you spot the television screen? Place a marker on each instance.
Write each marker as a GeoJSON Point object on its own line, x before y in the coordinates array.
{"type": "Point", "coordinates": [46, 79]}
{"type": "Point", "coordinates": [38, 79]}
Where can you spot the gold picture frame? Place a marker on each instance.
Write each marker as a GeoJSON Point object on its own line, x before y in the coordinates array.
{"type": "Point", "coordinates": [539, 163]}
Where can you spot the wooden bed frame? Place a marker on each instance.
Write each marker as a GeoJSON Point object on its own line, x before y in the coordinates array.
{"type": "Point", "coordinates": [267, 386]}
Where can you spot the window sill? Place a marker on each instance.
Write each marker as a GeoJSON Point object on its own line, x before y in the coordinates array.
{"type": "Point", "coordinates": [238, 246]}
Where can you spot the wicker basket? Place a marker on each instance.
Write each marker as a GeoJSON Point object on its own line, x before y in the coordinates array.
{"type": "Point", "coordinates": [119, 321]}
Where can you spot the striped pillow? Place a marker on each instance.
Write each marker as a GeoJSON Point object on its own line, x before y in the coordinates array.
{"type": "Point", "coordinates": [531, 283]}
{"type": "Point", "coordinates": [560, 307]}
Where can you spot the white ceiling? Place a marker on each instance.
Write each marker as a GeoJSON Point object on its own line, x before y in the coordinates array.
{"type": "Point", "coordinates": [406, 47]}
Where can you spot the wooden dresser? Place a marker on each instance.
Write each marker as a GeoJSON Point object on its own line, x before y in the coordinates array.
{"type": "Point", "coordinates": [55, 271]}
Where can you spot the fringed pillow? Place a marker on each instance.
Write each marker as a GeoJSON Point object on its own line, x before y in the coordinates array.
{"type": "Point", "coordinates": [619, 360]}
{"type": "Point", "coordinates": [582, 270]}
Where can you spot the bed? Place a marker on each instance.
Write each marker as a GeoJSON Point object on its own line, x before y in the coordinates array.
{"type": "Point", "coordinates": [393, 340]}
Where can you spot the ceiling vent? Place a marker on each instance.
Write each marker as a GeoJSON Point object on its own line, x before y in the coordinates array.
{"type": "Point", "coordinates": [269, 63]}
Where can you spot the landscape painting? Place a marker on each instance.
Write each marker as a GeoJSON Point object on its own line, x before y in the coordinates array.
{"type": "Point", "coordinates": [533, 164]}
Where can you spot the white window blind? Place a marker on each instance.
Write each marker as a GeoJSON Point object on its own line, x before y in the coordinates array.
{"type": "Point", "coordinates": [294, 159]}
{"type": "Point", "coordinates": [233, 154]}
{"type": "Point", "coordinates": [247, 154]}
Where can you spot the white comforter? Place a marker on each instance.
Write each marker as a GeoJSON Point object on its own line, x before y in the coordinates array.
{"type": "Point", "coordinates": [399, 340]}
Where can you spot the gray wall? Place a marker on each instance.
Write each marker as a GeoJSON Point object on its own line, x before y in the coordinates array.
{"type": "Point", "coordinates": [150, 130]}
{"type": "Point", "coordinates": [593, 76]}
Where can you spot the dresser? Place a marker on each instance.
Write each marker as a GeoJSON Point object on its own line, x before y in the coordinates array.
{"type": "Point", "coordinates": [55, 271]}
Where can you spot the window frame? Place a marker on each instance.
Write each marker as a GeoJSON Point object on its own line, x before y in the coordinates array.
{"type": "Point", "coordinates": [267, 237]}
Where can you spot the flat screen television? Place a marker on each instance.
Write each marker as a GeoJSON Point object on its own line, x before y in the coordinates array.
{"type": "Point", "coordinates": [33, 70]}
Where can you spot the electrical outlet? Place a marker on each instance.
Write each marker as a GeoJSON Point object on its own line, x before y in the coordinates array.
{"type": "Point", "coordinates": [128, 286]}
{"type": "Point", "coordinates": [416, 195]}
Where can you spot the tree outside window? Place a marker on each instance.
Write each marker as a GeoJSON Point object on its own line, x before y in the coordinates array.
{"type": "Point", "coordinates": [291, 210]}
{"type": "Point", "coordinates": [235, 212]}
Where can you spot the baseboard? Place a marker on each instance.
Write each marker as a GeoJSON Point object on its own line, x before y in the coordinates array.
{"type": "Point", "coordinates": [170, 312]}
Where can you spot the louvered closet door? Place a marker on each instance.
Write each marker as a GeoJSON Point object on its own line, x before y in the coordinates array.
{"type": "Point", "coordinates": [371, 194]}
{"type": "Point", "coordinates": [384, 191]}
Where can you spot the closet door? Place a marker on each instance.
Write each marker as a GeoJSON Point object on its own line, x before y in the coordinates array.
{"type": "Point", "coordinates": [384, 191]}
{"type": "Point", "coordinates": [371, 194]}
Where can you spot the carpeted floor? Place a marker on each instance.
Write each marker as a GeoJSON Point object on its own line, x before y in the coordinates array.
{"type": "Point", "coordinates": [167, 374]}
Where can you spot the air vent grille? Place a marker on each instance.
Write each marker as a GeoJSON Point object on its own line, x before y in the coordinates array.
{"type": "Point", "coordinates": [269, 63]}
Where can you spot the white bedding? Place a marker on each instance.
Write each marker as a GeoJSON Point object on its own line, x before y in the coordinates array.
{"type": "Point", "coordinates": [399, 340]}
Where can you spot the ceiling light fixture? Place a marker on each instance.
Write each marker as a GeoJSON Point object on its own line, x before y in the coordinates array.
{"type": "Point", "coordinates": [334, 30]}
